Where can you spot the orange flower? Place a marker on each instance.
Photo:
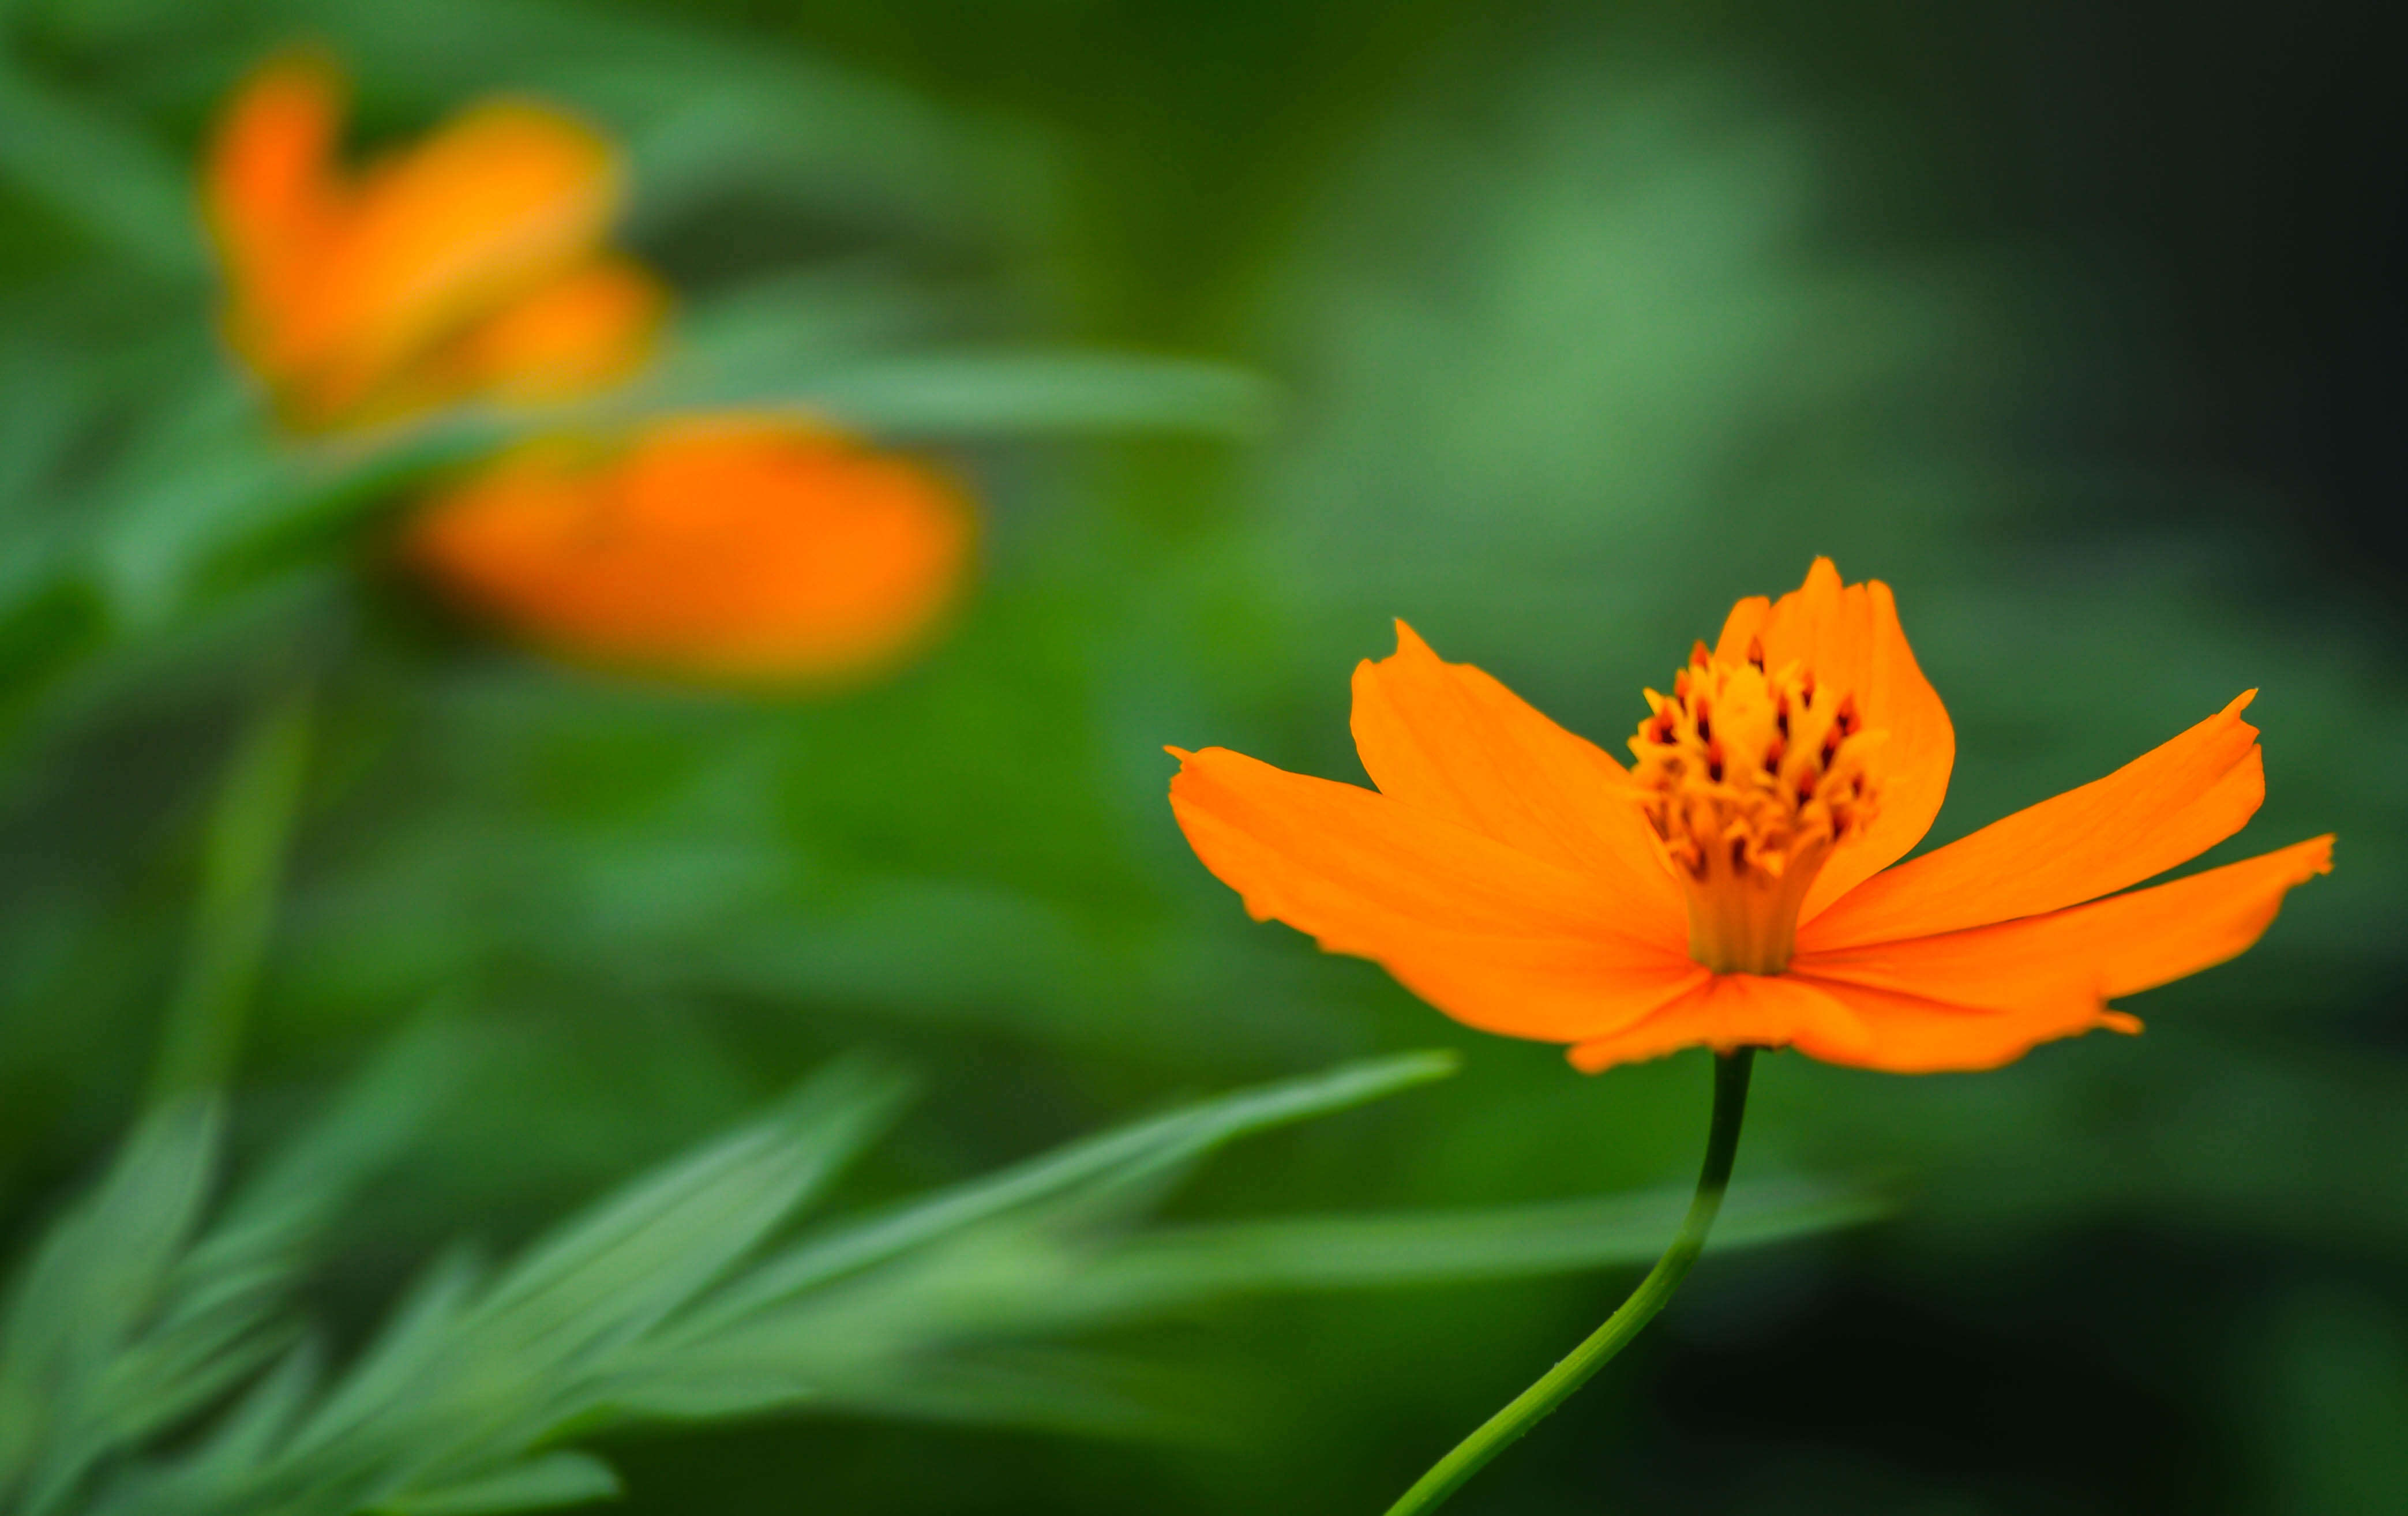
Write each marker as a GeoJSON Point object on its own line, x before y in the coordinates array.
{"type": "Point", "coordinates": [469, 266]}
{"type": "Point", "coordinates": [730, 548]}
{"type": "Point", "coordinates": [1734, 888]}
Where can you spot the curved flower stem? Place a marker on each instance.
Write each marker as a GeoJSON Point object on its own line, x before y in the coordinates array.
{"type": "Point", "coordinates": [1534, 1404]}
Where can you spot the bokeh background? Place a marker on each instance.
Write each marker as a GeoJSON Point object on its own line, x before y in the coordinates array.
{"type": "Point", "coordinates": [1254, 324]}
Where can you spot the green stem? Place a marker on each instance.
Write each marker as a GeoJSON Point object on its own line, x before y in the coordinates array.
{"type": "Point", "coordinates": [242, 865]}
{"type": "Point", "coordinates": [1534, 1404]}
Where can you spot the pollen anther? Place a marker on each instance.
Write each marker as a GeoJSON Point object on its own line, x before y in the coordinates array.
{"type": "Point", "coordinates": [1749, 778]}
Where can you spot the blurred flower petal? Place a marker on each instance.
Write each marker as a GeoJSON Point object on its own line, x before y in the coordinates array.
{"type": "Point", "coordinates": [467, 264]}
{"type": "Point", "coordinates": [717, 548]}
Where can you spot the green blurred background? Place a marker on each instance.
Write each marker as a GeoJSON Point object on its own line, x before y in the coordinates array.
{"type": "Point", "coordinates": [1552, 329]}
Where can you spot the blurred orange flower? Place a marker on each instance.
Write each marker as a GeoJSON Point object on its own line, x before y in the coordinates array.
{"type": "Point", "coordinates": [730, 548]}
{"type": "Point", "coordinates": [469, 266]}
{"type": "Point", "coordinates": [1734, 888]}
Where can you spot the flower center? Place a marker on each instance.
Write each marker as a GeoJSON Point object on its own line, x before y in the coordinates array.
{"type": "Point", "coordinates": [1751, 779]}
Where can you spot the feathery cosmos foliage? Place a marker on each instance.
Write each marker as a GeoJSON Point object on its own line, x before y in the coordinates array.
{"type": "Point", "coordinates": [672, 1299]}
{"type": "Point", "coordinates": [1734, 888]}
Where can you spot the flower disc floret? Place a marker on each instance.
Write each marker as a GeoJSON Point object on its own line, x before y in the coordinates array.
{"type": "Point", "coordinates": [1749, 778]}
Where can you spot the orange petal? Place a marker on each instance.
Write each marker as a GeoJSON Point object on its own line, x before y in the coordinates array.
{"type": "Point", "coordinates": [1449, 739]}
{"type": "Point", "coordinates": [1976, 998]}
{"type": "Point", "coordinates": [441, 236]}
{"type": "Point", "coordinates": [2162, 808]}
{"type": "Point", "coordinates": [589, 328]}
{"type": "Point", "coordinates": [729, 548]}
{"type": "Point", "coordinates": [1910, 1035]}
{"type": "Point", "coordinates": [1849, 637]}
{"type": "Point", "coordinates": [1730, 1010]}
{"type": "Point", "coordinates": [270, 191]}
{"type": "Point", "coordinates": [1496, 937]}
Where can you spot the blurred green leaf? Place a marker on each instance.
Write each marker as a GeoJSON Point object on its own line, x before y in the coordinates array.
{"type": "Point", "coordinates": [553, 1479]}
{"type": "Point", "coordinates": [2338, 1396]}
{"type": "Point", "coordinates": [242, 867]}
{"type": "Point", "coordinates": [644, 1307]}
{"type": "Point", "coordinates": [1114, 1162]}
{"type": "Point", "coordinates": [704, 114]}
{"type": "Point", "coordinates": [1326, 1252]}
{"type": "Point", "coordinates": [108, 179]}
{"type": "Point", "coordinates": [81, 1310]}
{"type": "Point", "coordinates": [131, 1317]}
{"type": "Point", "coordinates": [936, 396]}
{"type": "Point", "coordinates": [122, 1326]}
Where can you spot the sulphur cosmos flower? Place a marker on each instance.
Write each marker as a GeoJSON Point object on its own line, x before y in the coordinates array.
{"type": "Point", "coordinates": [469, 266]}
{"type": "Point", "coordinates": [1739, 884]}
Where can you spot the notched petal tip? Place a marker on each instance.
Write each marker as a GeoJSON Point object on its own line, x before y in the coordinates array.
{"type": "Point", "coordinates": [2155, 812]}
{"type": "Point", "coordinates": [2231, 712]}
{"type": "Point", "coordinates": [267, 164]}
{"type": "Point", "coordinates": [2316, 856]}
{"type": "Point", "coordinates": [1982, 997]}
{"type": "Point", "coordinates": [1410, 641]}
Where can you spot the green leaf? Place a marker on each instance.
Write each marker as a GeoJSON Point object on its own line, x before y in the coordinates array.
{"type": "Point", "coordinates": [378, 1112]}
{"type": "Point", "coordinates": [706, 114]}
{"type": "Point", "coordinates": [646, 1252]}
{"type": "Point", "coordinates": [111, 181]}
{"type": "Point", "coordinates": [242, 866]}
{"type": "Point", "coordinates": [99, 1275]}
{"type": "Point", "coordinates": [1114, 1158]}
{"type": "Point", "coordinates": [1022, 394]}
{"type": "Point", "coordinates": [645, 1306]}
{"type": "Point", "coordinates": [556, 1479]}
{"type": "Point", "coordinates": [1413, 1248]}
{"type": "Point", "coordinates": [131, 1317]}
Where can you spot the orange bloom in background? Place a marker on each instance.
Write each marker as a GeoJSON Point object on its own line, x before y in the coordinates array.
{"type": "Point", "coordinates": [1734, 886]}
{"type": "Point", "coordinates": [469, 266]}
{"type": "Point", "coordinates": [746, 549]}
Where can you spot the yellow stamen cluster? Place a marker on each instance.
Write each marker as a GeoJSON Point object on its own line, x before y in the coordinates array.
{"type": "Point", "coordinates": [1750, 779]}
